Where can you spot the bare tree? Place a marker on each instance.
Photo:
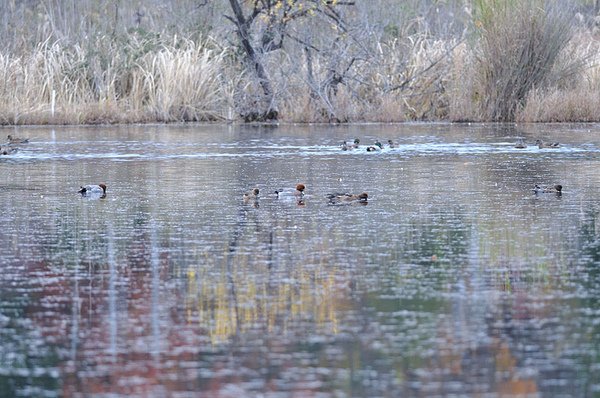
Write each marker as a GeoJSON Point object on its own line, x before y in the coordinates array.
{"type": "Point", "coordinates": [262, 26]}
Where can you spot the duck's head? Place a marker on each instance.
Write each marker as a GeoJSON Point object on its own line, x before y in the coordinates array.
{"type": "Point", "coordinates": [103, 186]}
{"type": "Point", "coordinates": [300, 187]}
{"type": "Point", "coordinates": [390, 142]}
{"type": "Point", "coordinates": [379, 144]}
{"type": "Point", "coordinates": [356, 141]}
{"type": "Point", "coordinates": [9, 137]}
{"type": "Point", "coordinates": [363, 196]}
{"type": "Point", "coordinates": [255, 191]}
{"type": "Point", "coordinates": [558, 188]}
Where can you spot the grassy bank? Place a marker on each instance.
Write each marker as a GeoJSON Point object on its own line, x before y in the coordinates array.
{"type": "Point", "coordinates": [143, 82]}
{"type": "Point", "coordinates": [494, 61]}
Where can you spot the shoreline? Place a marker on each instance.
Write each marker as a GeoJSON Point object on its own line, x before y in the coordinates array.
{"type": "Point", "coordinates": [299, 124]}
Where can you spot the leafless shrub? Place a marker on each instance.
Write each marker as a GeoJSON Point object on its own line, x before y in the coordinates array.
{"type": "Point", "coordinates": [520, 44]}
{"type": "Point", "coordinates": [575, 98]}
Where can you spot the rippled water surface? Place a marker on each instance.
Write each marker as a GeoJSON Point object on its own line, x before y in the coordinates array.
{"type": "Point", "coordinates": [454, 279]}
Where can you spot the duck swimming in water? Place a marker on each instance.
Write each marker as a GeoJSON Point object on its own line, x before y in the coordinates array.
{"type": "Point", "coordinates": [520, 145]}
{"type": "Point", "coordinates": [297, 193]}
{"type": "Point", "coordinates": [15, 140]}
{"type": "Point", "coordinates": [377, 146]}
{"type": "Point", "coordinates": [93, 190]}
{"type": "Point", "coordinates": [552, 145]}
{"type": "Point", "coordinates": [7, 150]}
{"type": "Point", "coordinates": [252, 195]}
{"type": "Point", "coordinates": [348, 146]}
{"type": "Point", "coordinates": [557, 189]}
{"type": "Point", "coordinates": [340, 198]}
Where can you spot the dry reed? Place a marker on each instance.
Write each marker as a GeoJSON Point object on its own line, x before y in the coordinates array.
{"type": "Point", "coordinates": [521, 65]}
{"type": "Point", "coordinates": [520, 43]}
{"type": "Point", "coordinates": [176, 82]}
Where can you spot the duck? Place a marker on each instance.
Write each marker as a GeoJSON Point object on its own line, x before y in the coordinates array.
{"type": "Point", "coordinates": [93, 190]}
{"type": "Point", "coordinates": [392, 144]}
{"type": "Point", "coordinates": [7, 150]}
{"type": "Point", "coordinates": [377, 146]}
{"type": "Point", "coordinates": [520, 145]}
{"type": "Point", "coordinates": [557, 189]}
{"type": "Point", "coordinates": [339, 198]}
{"type": "Point", "coordinates": [348, 146]}
{"type": "Point", "coordinates": [252, 195]}
{"type": "Point", "coordinates": [541, 144]}
{"type": "Point", "coordinates": [297, 193]}
{"type": "Point", "coordinates": [15, 140]}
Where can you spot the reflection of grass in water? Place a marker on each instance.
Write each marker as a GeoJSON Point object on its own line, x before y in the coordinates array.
{"type": "Point", "coordinates": [254, 296]}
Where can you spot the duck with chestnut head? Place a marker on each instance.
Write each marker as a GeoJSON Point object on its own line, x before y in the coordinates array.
{"type": "Point", "coordinates": [251, 195]}
{"type": "Point", "coordinates": [297, 193]}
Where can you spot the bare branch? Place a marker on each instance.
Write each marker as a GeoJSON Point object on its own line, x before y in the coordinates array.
{"type": "Point", "coordinates": [405, 83]}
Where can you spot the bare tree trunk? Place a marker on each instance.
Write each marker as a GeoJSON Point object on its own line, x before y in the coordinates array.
{"type": "Point", "coordinates": [243, 24]}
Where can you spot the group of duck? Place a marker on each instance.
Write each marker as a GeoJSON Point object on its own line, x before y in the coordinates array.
{"type": "Point", "coordinates": [377, 145]}
{"type": "Point", "coordinates": [337, 198]}
{"type": "Point", "coordinates": [297, 194]}
{"type": "Point", "coordinates": [99, 190]}
{"type": "Point", "coordinates": [540, 144]}
{"type": "Point", "coordinates": [10, 146]}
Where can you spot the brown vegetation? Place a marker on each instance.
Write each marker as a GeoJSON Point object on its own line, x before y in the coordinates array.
{"type": "Point", "coordinates": [298, 61]}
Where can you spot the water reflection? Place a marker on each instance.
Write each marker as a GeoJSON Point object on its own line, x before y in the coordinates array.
{"type": "Point", "coordinates": [454, 279]}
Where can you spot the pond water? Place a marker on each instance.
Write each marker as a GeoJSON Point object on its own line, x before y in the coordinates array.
{"type": "Point", "coordinates": [454, 279]}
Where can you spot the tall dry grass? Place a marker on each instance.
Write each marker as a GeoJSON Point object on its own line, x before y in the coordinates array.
{"type": "Point", "coordinates": [576, 99]}
{"type": "Point", "coordinates": [177, 81]}
{"type": "Point", "coordinates": [519, 45]}
{"type": "Point", "coordinates": [517, 63]}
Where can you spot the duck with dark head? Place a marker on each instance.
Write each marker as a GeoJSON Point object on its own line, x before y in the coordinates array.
{"type": "Point", "coordinates": [93, 191]}
{"type": "Point", "coordinates": [556, 189]}
{"type": "Point", "coordinates": [347, 198]}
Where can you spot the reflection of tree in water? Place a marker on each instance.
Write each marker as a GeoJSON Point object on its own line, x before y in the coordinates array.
{"type": "Point", "coordinates": [518, 349]}
{"type": "Point", "coordinates": [589, 278]}
{"type": "Point", "coordinates": [26, 358]}
{"type": "Point", "coordinates": [531, 334]}
{"type": "Point", "coordinates": [590, 244]}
